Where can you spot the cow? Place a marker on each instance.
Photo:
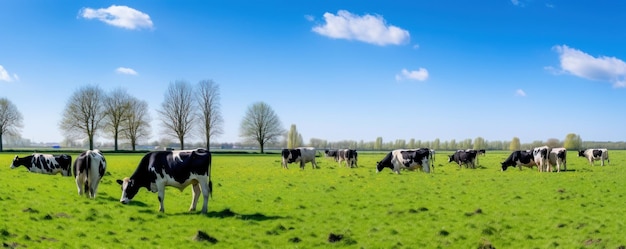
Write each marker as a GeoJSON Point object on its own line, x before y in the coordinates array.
{"type": "Point", "coordinates": [558, 157]}
{"type": "Point", "coordinates": [347, 155]}
{"type": "Point", "coordinates": [540, 156]}
{"type": "Point", "coordinates": [45, 163]}
{"type": "Point", "coordinates": [176, 168]}
{"type": "Point", "coordinates": [467, 157]}
{"type": "Point", "coordinates": [302, 155]}
{"type": "Point", "coordinates": [405, 159]}
{"type": "Point", "coordinates": [89, 169]}
{"type": "Point", "coordinates": [519, 158]}
{"type": "Point", "coordinates": [331, 153]}
{"type": "Point", "coordinates": [594, 155]}
{"type": "Point", "coordinates": [480, 152]}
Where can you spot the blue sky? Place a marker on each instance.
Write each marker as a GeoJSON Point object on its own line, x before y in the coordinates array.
{"type": "Point", "coordinates": [338, 70]}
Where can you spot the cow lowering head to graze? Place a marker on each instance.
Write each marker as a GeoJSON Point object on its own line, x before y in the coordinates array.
{"type": "Point", "coordinates": [45, 163]}
{"type": "Point", "coordinates": [519, 158]}
{"type": "Point", "coordinates": [300, 155]}
{"type": "Point", "coordinates": [540, 156]}
{"type": "Point", "coordinates": [346, 155]}
{"type": "Point", "coordinates": [331, 153]}
{"type": "Point", "coordinates": [176, 168]}
{"type": "Point", "coordinates": [405, 159]}
{"type": "Point", "coordinates": [558, 157]}
{"type": "Point", "coordinates": [464, 157]}
{"type": "Point", "coordinates": [594, 155]}
{"type": "Point", "coordinates": [89, 169]}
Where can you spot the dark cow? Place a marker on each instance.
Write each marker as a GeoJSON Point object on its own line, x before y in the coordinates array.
{"type": "Point", "coordinates": [519, 158]}
{"type": "Point", "coordinates": [347, 155]}
{"type": "Point", "coordinates": [302, 155]}
{"type": "Point", "coordinates": [467, 157]}
{"type": "Point", "coordinates": [176, 168]}
{"type": "Point", "coordinates": [45, 163]}
{"type": "Point", "coordinates": [89, 169]}
{"type": "Point", "coordinates": [331, 153]}
{"type": "Point", "coordinates": [406, 159]}
{"type": "Point", "coordinates": [594, 155]}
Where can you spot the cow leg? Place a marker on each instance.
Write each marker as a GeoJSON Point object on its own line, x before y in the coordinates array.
{"type": "Point", "coordinates": [80, 184]}
{"type": "Point", "coordinates": [195, 193]}
{"type": "Point", "coordinates": [161, 194]}
{"type": "Point", "coordinates": [314, 164]}
{"type": "Point", "coordinates": [206, 191]}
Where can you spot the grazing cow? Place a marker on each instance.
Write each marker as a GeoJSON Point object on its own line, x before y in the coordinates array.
{"type": "Point", "coordinates": [467, 157]}
{"type": "Point", "coordinates": [347, 155]}
{"type": "Point", "coordinates": [558, 157]}
{"type": "Point", "coordinates": [89, 169]}
{"type": "Point", "coordinates": [176, 168]}
{"type": "Point", "coordinates": [331, 153]}
{"type": "Point", "coordinates": [594, 155]}
{"type": "Point", "coordinates": [45, 163]}
{"type": "Point", "coordinates": [540, 156]}
{"type": "Point", "coordinates": [519, 158]}
{"type": "Point", "coordinates": [405, 159]}
{"type": "Point", "coordinates": [302, 155]}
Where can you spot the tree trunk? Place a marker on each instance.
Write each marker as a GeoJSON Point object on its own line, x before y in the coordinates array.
{"type": "Point", "coordinates": [1, 149]}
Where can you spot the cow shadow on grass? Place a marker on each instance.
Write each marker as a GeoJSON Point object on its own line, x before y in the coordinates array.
{"type": "Point", "coordinates": [228, 213]}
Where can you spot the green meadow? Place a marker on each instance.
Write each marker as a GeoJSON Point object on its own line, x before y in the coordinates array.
{"type": "Point", "coordinates": [257, 204]}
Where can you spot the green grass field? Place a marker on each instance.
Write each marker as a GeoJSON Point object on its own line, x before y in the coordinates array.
{"type": "Point", "coordinates": [257, 204]}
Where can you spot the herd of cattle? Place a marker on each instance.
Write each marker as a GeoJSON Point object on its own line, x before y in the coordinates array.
{"type": "Point", "coordinates": [181, 168]}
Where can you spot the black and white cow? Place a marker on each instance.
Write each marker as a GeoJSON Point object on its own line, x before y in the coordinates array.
{"type": "Point", "coordinates": [519, 158]}
{"type": "Point", "coordinates": [558, 158]}
{"type": "Point", "coordinates": [347, 155]}
{"type": "Point", "coordinates": [176, 168]}
{"type": "Point", "coordinates": [89, 169]}
{"type": "Point", "coordinates": [45, 163]}
{"type": "Point", "coordinates": [540, 156]}
{"type": "Point", "coordinates": [467, 157]}
{"type": "Point", "coordinates": [594, 155]}
{"type": "Point", "coordinates": [302, 155]}
{"type": "Point", "coordinates": [331, 153]}
{"type": "Point", "coordinates": [406, 159]}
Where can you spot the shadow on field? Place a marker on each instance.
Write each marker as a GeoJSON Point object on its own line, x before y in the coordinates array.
{"type": "Point", "coordinates": [227, 213]}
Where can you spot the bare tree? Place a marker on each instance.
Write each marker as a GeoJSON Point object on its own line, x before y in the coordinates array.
{"type": "Point", "coordinates": [177, 113]}
{"type": "Point", "coordinates": [10, 119]}
{"type": "Point", "coordinates": [208, 96]}
{"type": "Point", "coordinates": [84, 113]}
{"type": "Point", "coordinates": [116, 110]}
{"type": "Point", "coordinates": [261, 124]}
{"type": "Point", "coordinates": [137, 122]}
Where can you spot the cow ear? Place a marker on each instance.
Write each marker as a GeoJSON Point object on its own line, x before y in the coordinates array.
{"type": "Point", "coordinates": [120, 182]}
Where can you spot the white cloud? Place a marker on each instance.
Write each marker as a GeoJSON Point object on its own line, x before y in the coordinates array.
{"type": "Point", "coordinates": [125, 70]}
{"type": "Point", "coordinates": [602, 68]}
{"type": "Point", "coordinates": [309, 18]}
{"type": "Point", "coordinates": [368, 28]}
{"type": "Point", "coordinates": [119, 16]}
{"type": "Point", "coordinates": [5, 76]}
{"type": "Point", "coordinates": [420, 75]}
{"type": "Point", "coordinates": [520, 92]}
{"type": "Point", "coordinates": [517, 3]}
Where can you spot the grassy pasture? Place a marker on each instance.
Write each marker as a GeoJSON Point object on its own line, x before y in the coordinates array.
{"type": "Point", "coordinates": [257, 204]}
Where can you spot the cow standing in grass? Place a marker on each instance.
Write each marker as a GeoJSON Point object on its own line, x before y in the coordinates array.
{"type": "Point", "coordinates": [89, 169]}
{"type": "Point", "coordinates": [406, 159]}
{"type": "Point", "coordinates": [558, 157]}
{"type": "Point", "coordinates": [45, 163]}
{"type": "Point", "coordinates": [177, 168]}
{"type": "Point", "coordinates": [595, 155]}
{"type": "Point", "coordinates": [300, 155]}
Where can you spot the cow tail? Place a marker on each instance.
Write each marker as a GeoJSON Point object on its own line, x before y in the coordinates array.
{"type": "Point", "coordinates": [210, 183]}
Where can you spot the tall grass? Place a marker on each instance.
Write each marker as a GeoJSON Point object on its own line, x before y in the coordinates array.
{"type": "Point", "coordinates": [257, 204]}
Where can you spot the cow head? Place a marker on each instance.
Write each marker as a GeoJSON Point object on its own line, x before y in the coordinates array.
{"type": "Point", "coordinates": [581, 153]}
{"type": "Point", "coordinates": [506, 165]}
{"type": "Point", "coordinates": [129, 189]}
{"type": "Point", "coordinates": [16, 162]}
{"type": "Point", "coordinates": [450, 158]}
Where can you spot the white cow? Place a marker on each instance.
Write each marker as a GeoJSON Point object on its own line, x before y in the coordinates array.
{"type": "Point", "coordinates": [302, 155]}
{"type": "Point", "coordinates": [595, 155]}
{"type": "Point", "coordinates": [540, 156]}
{"type": "Point", "coordinates": [558, 157]}
{"type": "Point", "coordinates": [89, 169]}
